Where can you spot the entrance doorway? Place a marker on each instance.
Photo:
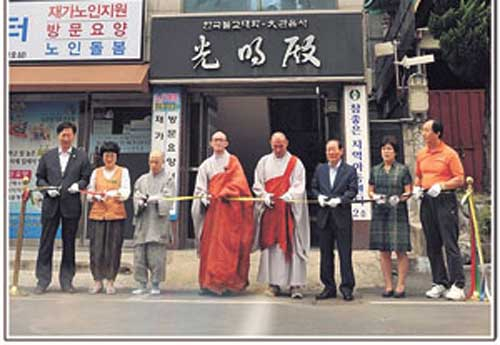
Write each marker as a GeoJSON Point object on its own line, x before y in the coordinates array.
{"type": "Point", "coordinates": [249, 122]}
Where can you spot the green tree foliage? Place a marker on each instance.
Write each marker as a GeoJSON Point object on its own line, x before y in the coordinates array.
{"type": "Point", "coordinates": [463, 28]}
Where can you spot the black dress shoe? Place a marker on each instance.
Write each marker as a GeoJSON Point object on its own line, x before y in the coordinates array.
{"type": "Point", "coordinates": [39, 290]}
{"type": "Point", "coordinates": [387, 294]}
{"type": "Point", "coordinates": [327, 293]}
{"type": "Point", "coordinates": [68, 288]}
{"type": "Point", "coordinates": [348, 296]}
{"type": "Point", "coordinates": [401, 294]}
{"type": "Point", "coordinates": [207, 292]}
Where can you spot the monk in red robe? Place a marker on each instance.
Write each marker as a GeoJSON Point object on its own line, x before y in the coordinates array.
{"type": "Point", "coordinates": [224, 227]}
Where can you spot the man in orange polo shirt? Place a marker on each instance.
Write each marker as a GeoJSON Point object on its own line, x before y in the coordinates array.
{"type": "Point", "coordinates": [439, 172]}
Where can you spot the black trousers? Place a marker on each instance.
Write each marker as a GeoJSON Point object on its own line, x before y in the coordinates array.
{"type": "Point", "coordinates": [439, 217]}
{"type": "Point", "coordinates": [46, 249]}
{"type": "Point", "coordinates": [342, 236]}
{"type": "Point", "coordinates": [105, 249]}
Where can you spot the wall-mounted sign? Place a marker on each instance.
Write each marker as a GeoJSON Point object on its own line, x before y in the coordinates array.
{"type": "Point", "coordinates": [166, 131]}
{"type": "Point", "coordinates": [75, 30]}
{"type": "Point", "coordinates": [323, 44]}
{"type": "Point", "coordinates": [357, 145]}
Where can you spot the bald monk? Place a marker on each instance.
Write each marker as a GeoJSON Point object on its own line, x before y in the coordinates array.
{"type": "Point", "coordinates": [282, 226]}
{"type": "Point", "coordinates": [223, 227]}
{"type": "Point", "coordinates": [153, 230]}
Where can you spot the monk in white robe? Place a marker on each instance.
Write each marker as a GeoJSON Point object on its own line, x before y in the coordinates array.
{"type": "Point", "coordinates": [282, 220]}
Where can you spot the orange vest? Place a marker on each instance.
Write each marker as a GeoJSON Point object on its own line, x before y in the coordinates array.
{"type": "Point", "coordinates": [111, 208]}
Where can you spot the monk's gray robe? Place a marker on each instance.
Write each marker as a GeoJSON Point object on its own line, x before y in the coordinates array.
{"type": "Point", "coordinates": [153, 230]}
{"type": "Point", "coordinates": [273, 268]}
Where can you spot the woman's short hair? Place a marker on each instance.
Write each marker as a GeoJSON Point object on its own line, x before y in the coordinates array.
{"type": "Point", "coordinates": [390, 140]}
{"type": "Point", "coordinates": [110, 146]}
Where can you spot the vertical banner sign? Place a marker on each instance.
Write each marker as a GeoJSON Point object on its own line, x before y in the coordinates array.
{"type": "Point", "coordinates": [357, 146]}
{"type": "Point", "coordinates": [165, 133]}
{"type": "Point", "coordinates": [32, 132]}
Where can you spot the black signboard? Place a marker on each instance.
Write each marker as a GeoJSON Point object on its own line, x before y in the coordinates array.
{"type": "Point", "coordinates": [323, 44]}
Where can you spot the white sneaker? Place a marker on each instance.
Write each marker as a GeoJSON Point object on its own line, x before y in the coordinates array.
{"type": "Point", "coordinates": [455, 293]}
{"type": "Point", "coordinates": [139, 291]}
{"type": "Point", "coordinates": [436, 291]}
{"type": "Point", "coordinates": [154, 291]}
{"type": "Point", "coordinates": [295, 293]}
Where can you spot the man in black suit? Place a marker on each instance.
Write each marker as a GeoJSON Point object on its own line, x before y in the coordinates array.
{"type": "Point", "coordinates": [68, 168]}
{"type": "Point", "coordinates": [335, 184]}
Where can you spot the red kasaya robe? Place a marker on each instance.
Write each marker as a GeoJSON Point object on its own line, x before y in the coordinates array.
{"type": "Point", "coordinates": [228, 230]}
{"type": "Point", "coordinates": [277, 222]}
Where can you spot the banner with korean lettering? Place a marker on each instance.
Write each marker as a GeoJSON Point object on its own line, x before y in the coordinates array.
{"type": "Point", "coordinates": [322, 44]}
{"type": "Point", "coordinates": [166, 131]}
{"type": "Point", "coordinates": [357, 146]}
{"type": "Point", "coordinates": [75, 30]}
{"type": "Point", "coordinates": [32, 132]}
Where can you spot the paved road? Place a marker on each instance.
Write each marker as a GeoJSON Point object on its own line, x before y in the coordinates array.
{"type": "Point", "coordinates": [183, 313]}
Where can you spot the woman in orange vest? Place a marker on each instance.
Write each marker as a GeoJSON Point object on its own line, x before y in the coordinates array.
{"type": "Point", "coordinates": [108, 189]}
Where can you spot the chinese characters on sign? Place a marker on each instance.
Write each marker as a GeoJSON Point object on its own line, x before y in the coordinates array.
{"type": "Point", "coordinates": [257, 46]}
{"type": "Point", "coordinates": [301, 53]}
{"type": "Point", "coordinates": [202, 53]}
{"type": "Point", "coordinates": [253, 52]}
{"type": "Point", "coordinates": [357, 145]}
{"type": "Point", "coordinates": [166, 131]}
{"type": "Point", "coordinates": [101, 29]}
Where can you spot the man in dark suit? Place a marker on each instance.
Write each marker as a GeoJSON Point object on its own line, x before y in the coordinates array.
{"type": "Point", "coordinates": [68, 168]}
{"type": "Point", "coordinates": [335, 184]}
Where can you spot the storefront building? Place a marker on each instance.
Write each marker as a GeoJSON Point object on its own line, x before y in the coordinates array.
{"type": "Point", "coordinates": [79, 61]}
{"type": "Point", "coordinates": [248, 67]}
{"type": "Point", "coordinates": [252, 73]}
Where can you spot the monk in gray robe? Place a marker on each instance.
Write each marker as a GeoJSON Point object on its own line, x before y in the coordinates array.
{"type": "Point", "coordinates": [282, 220]}
{"type": "Point", "coordinates": [153, 230]}
{"type": "Point", "coordinates": [223, 226]}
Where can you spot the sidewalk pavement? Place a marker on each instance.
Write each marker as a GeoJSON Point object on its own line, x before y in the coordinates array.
{"type": "Point", "coordinates": [182, 271]}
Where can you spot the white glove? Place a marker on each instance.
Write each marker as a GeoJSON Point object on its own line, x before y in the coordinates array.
{"type": "Point", "coordinates": [268, 199]}
{"type": "Point", "coordinates": [434, 190]}
{"type": "Point", "coordinates": [394, 200]}
{"type": "Point", "coordinates": [334, 202]}
{"type": "Point", "coordinates": [322, 200]}
{"type": "Point", "coordinates": [417, 192]}
{"type": "Point", "coordinates": [73, 189]}
{"type": "Point", "coordinates": [53, 193]}
{"type": "Point", "coordinates": [379, 198]}
{"type": "Point", "coordinates": [286, 197]}
{"type": "Point", "coordinates": [205, 199]}
{"type": "Point", "coordinates": [111, 193]}
{"type": "Point", "coordinates": [97, 197]}
{"type": "Point", "coordinates": [154, 198]}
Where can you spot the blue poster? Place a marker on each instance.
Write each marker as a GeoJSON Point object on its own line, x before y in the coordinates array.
{"type": "Point", "coordinates": [32, 132]}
